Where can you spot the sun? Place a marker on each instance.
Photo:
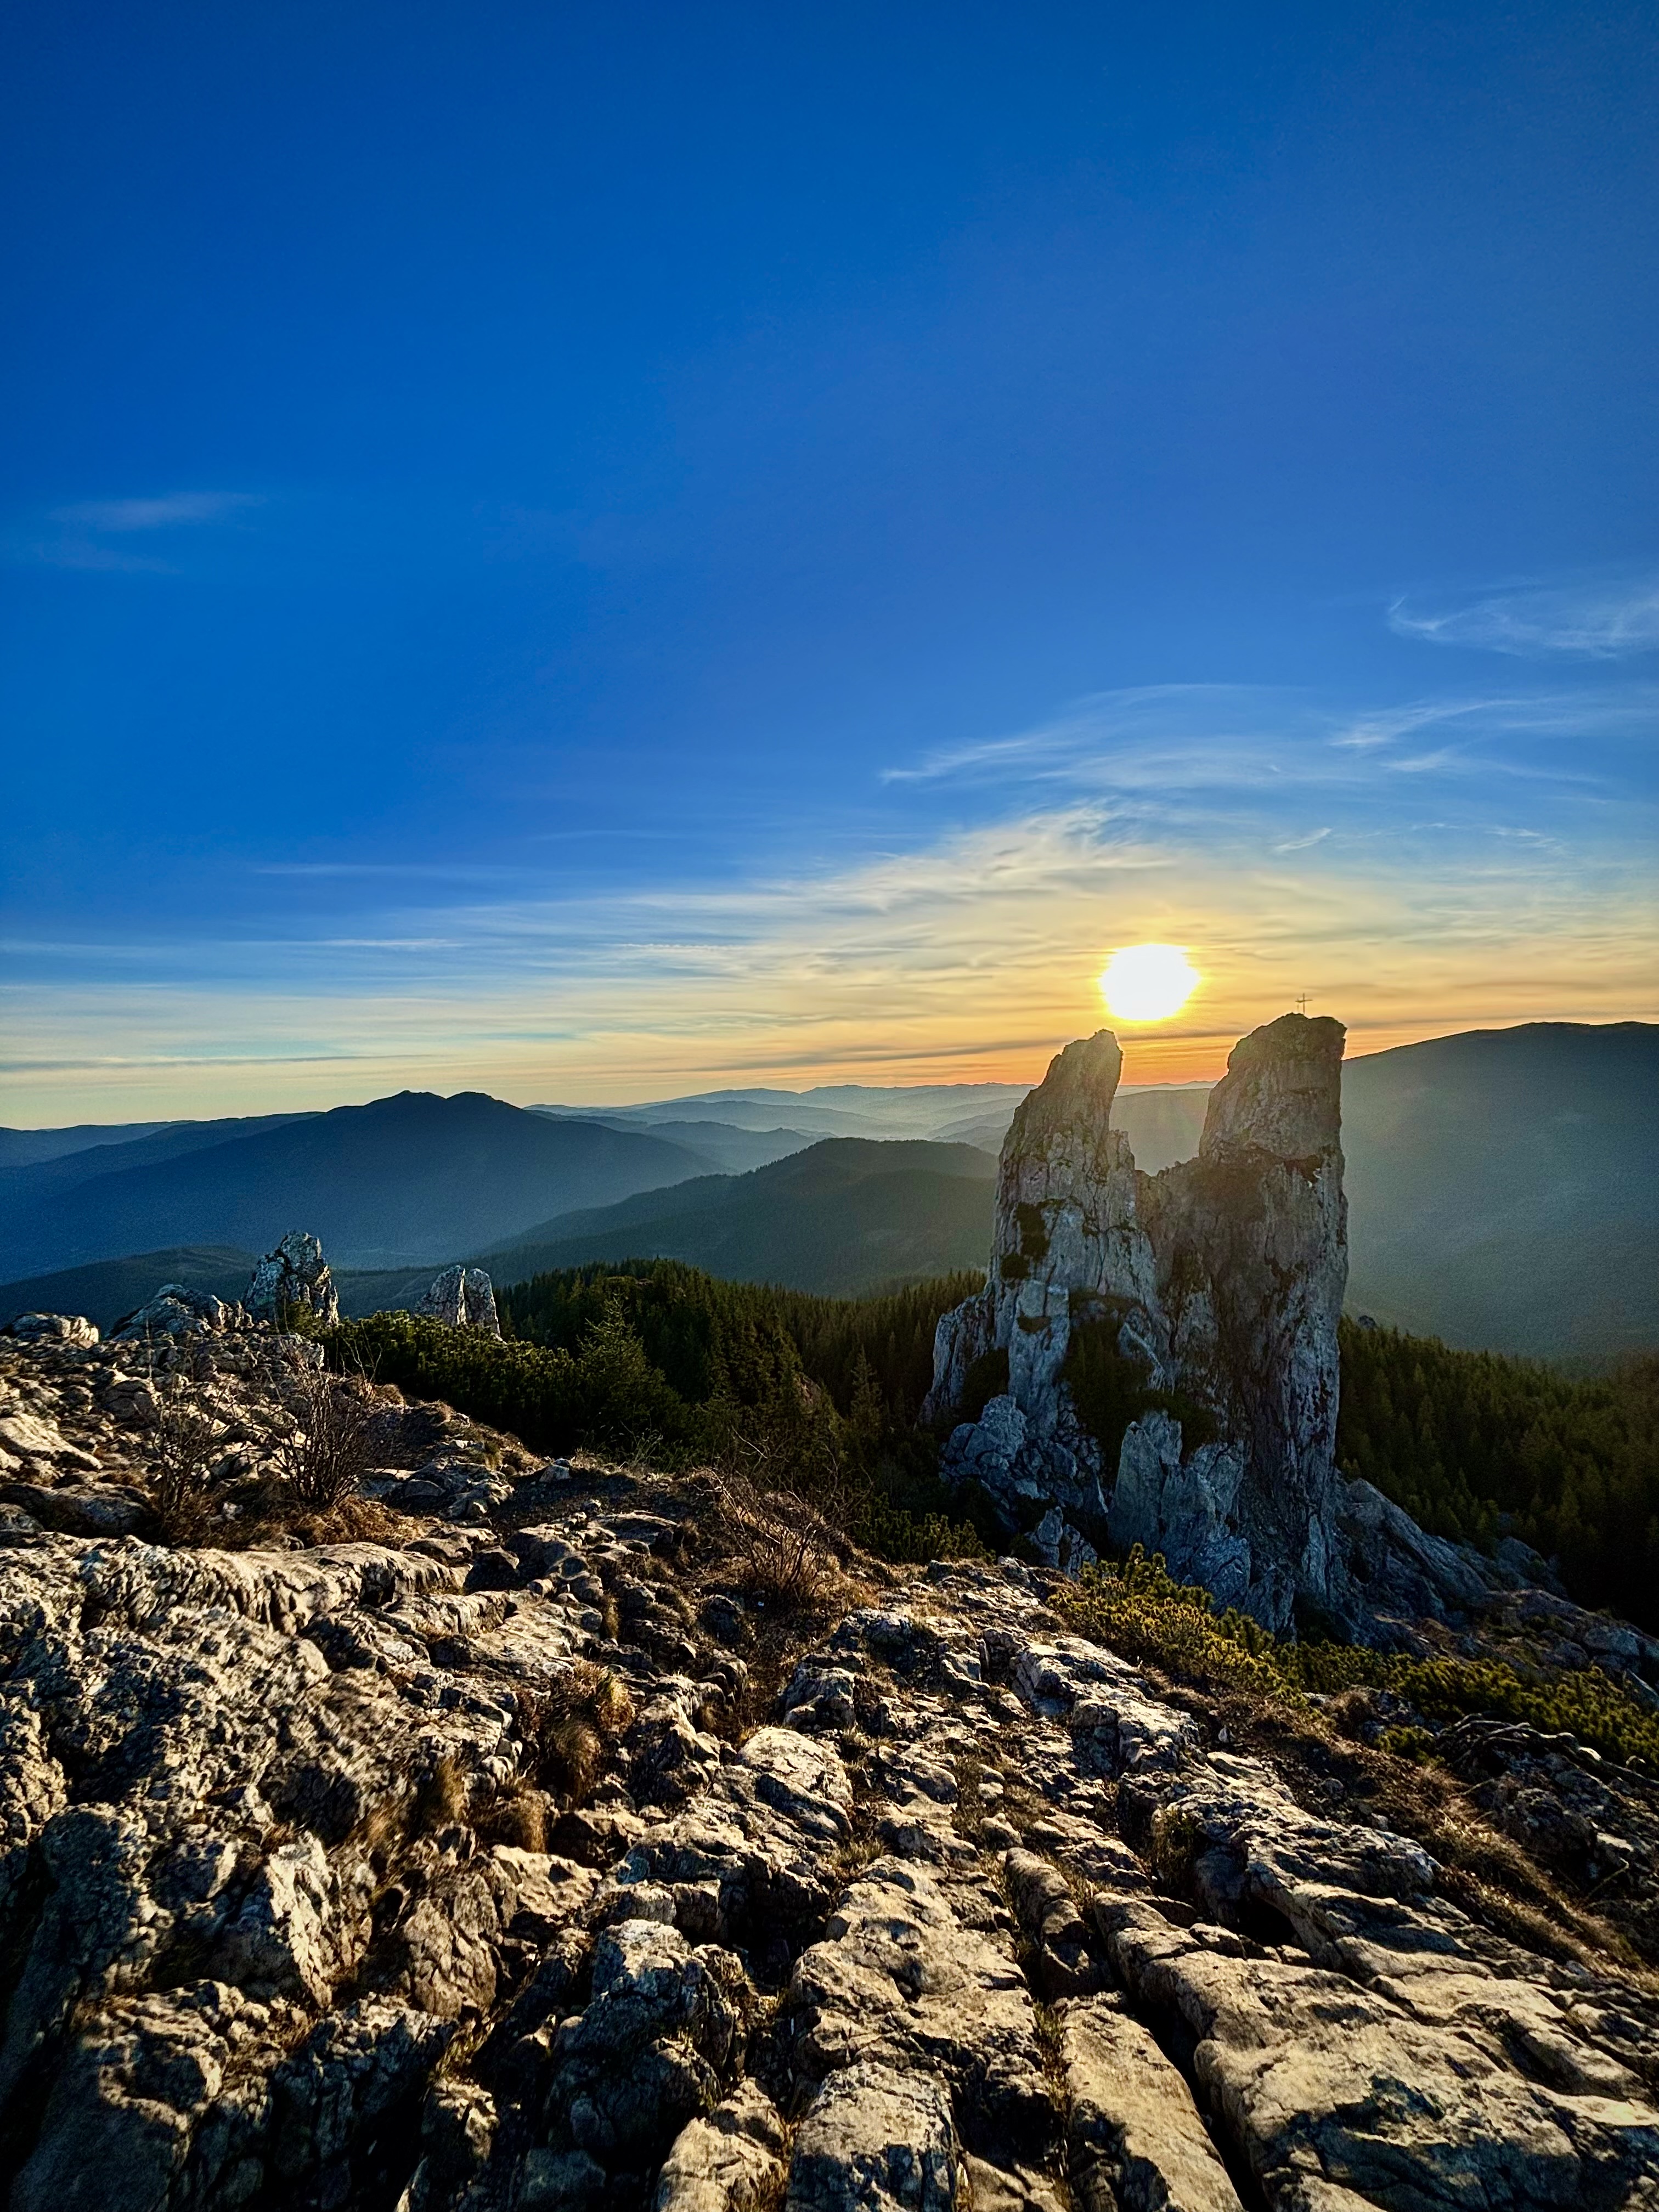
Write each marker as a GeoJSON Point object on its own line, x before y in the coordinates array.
{"type": "Point", "coordinates": [1147, 982]}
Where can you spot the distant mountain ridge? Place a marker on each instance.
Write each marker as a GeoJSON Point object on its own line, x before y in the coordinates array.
{"type": "Point", "coordinates": [28, 1184]}
{"type": "Point", "coordinates": [1504, 1187]}
{"type": "Point", "coordinates": [845, 1217]}
{"type": "Point", "coordinates": [404, 1180]}
{"type": "Point", "coordinates": [1162, 1120]}
{"type": "Point", "coordinates": [1501, 1186]}
{"type": "Point", "coordinates": [107, 1290]}
{"type": "Point", "coordinates": [21, 1148]}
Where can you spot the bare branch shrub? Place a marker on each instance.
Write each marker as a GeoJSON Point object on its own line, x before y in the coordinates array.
{"type": "Point", "coordinates": [324, 1454]}
{"type": "Point", "coordinates": [185, 1442]}
{"type": "Point", "coordinates": [787, 1551]}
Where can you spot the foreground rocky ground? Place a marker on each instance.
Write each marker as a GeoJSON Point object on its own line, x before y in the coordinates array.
{"type": "Point", "coordinates": [570, 1838]}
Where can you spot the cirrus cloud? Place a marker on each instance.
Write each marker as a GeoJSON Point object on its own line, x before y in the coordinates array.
{"type": "Point", "coordinates": [1596, 622]}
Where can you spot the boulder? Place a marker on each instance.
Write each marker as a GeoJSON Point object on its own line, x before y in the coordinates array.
{"type": "Point", "coordinates": [1138, 2141]}
{"type": "Point", "coordinates": [33, 1437]}
{"type": "Point", "coordinates": [560, 2181]}
{"type": "Point", "coordinates": [294, 1277]}
{"type": "Point", "coordinates": [81, 1508]}
{"type": "Point", "coordinates": [178, 1310]}
{"type": "Point", "coordinates": [876, 2140]}
{"type": "Point", "coordinates": [902, 1979]}
{"type": "Point", "coordinates": [659, 2045]}
{"type": "Point", "coordinates": [729, 2162]}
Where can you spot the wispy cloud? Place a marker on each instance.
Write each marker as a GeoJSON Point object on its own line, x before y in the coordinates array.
{"type": "Point", "coordinates": [1445, 863]}
{"type": "Point", "coordinates": [1597, 622]}
{"type": "Point", "coordinates": [350, 870]}
{"type": "Point", "coordinates": [97, 534]}
{"type": "Point", "coordinates": [168, 513]}
{"type": "Point", "coordinates": [1102, 721]}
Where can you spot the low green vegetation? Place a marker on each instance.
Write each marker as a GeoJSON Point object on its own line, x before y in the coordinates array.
{"type": "Point", "coordinates": [1137, 1608]}
{"type": "Point", "coordinates": [1475, 1447]}
{"type": "Point", "coordinates": [656, 1360]}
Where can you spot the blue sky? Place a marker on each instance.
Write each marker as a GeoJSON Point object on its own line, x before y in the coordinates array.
{"type": "Point", "coordinates": [594, 552]}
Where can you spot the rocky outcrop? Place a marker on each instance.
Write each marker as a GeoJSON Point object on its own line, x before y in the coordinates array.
{"type": "Point", "coordinates": [294, 1279]}
{"type": "Point", "coordinates": [178, 1310]}
{"type": "Point", "coordinates": [1156, 1356]}
{"type": "Point", "coordinates": [465, 1297]}
{"type": "Point", "coordinates": [54, 1328]}
{"type": "Point", "coordinates": [324, 1885]}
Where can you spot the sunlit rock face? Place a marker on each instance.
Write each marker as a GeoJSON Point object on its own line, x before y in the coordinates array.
{"type": "Point", "coordinates": [1157, 1355]}
{"type": "Point", "coordinates": [294, 1277]}
{"type": "Point", "coordinates": [465, 1297]}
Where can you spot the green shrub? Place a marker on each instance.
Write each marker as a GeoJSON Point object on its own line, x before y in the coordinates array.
{"type": "Point", "coordinates": [892, 1532]}
{"type": "Point", "coordinates": [523, 1388]}
{"type": "Point", "coordinates": [1137, 1607]}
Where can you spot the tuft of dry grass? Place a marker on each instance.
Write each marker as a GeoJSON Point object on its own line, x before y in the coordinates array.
{"type": "Point", "coordinates": [523, 1816]}
{"type": "Point", "coordinates": [440, 1797]}
{"type": "Point", "coordinates": [571, 1732]}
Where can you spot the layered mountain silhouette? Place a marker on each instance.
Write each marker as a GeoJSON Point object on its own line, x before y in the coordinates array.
{"type": "Point", "coordinates": [26, 1185]}
{"type": "Point", "coordinates": [1501, 1187]}
{"type": "Point", "coordinates": [406, 1179]}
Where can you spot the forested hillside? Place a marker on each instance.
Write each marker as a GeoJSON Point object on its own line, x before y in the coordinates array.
{"type": "Point", "coordinates": [657, 1357]}
{"type": "Point", "coordinates": [1475, 1446]}
{"type": "Point", "coordinates": [844, 1217]}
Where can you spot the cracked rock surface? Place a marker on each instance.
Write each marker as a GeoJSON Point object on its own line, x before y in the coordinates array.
{"type": "Point", "coordinates": [515, 1859]}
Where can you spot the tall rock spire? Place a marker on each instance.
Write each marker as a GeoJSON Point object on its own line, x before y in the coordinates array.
{"type": "Point", "coordinates": [1156, 1356]}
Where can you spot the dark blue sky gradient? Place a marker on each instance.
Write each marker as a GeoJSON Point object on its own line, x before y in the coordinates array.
{"type": "Point", "coordinates": [617, 435]}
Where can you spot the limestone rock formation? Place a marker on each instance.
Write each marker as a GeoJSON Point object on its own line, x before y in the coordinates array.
{"type": "Point", "coordinates": [465, 1297]}
{"type": "Point", "coordinates": [1156, 1356]}
{"type": "Point", "coordinates": [294, 1278]}
{"type": "Point", "coordinates": [319, 1892]}
{"type": "Point", "coordinates": [178, 1310]}
{"type": "Point", "coordinates": [62, 1328]}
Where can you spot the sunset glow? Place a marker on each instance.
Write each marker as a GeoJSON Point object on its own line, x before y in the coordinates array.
{"type": "Point", "coordinates": [1147, 982]}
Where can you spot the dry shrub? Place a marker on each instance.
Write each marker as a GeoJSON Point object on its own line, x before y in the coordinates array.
{"type": "Point", "coordinates": [786, 1551]}
{"type": "Point", "coordinates": [326, 1455]}
{"type": "Point", "coordinates": [185, 1440]}
{"type": "Point", "coordinates": [440, 1799]}
{"type": "Point", "coordinates": [348, 1521]}
{"type": "Point", "coordinates": [572, 1730]}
